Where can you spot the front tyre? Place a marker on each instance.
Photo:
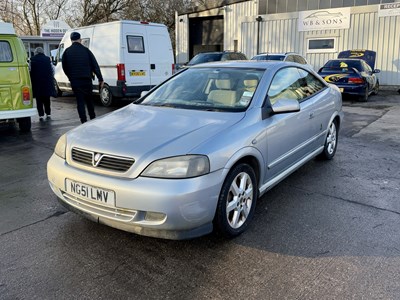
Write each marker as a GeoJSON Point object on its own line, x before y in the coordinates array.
{"type": "Point", "coordinates": [237, 201]}
{"type": "Point", "coordinates": [106, 96]}
{"type": "Point", "coordinates": [330, 142]}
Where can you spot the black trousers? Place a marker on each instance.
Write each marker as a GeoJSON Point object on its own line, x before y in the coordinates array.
{"type": "Point", "coordinates": [43, 102]}
{"type": "Point", "coordinates": [83, 93]}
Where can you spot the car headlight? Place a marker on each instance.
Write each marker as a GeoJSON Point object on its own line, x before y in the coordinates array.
{"type": "Point", "coordinates": [185, 166]}
{"type": "Point", "coordinates": [61, 146]}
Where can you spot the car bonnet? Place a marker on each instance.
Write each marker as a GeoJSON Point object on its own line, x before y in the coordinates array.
{"type": "Point", "coordinates": [146, 133]}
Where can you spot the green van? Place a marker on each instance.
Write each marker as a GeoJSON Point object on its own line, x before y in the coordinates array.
{"type": "Point", "coordinates": [16, 101]}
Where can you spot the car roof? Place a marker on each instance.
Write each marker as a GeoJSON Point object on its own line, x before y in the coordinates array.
{"type": "Point", "coordinates": [279, 53]}
{"type": "Point", "coordinates": [218, 52]}
{"type": "Point", "coordinates": [243, 64]}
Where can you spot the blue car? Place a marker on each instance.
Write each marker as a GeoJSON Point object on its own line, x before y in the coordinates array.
{"type": "Point", "coordinates": [352, 76]}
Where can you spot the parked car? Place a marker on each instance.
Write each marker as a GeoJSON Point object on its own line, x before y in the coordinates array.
{"type": "Point", "coordinates": [188, 158]}
{"type": "Point", "coordinates": [288, 56]}
{"type": "Point", "coordinates": [16, 99]}
{"type": "Point", "coordinates": [353, 77]}
{"type": "Point", "coordinates": [204, 57]}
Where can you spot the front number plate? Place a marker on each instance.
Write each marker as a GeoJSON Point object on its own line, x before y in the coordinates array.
{"type": "Point", "coordinates": [341, 90]}
{"type": "Point", "coordinates": [91, 193]}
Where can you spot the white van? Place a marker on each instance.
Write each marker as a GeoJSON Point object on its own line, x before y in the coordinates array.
{"type": "Point", "coordinates": [133, 57]}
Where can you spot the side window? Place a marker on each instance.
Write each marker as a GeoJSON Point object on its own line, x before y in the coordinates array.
{"type": "Point", "coordinates": [86, 42]}
{"type": "Point", "coordinates": [60, 52]}
{"type": "Point", "coordinates": [135, 44]}
{"type": "Point", "coordinates": [309, 84]}
{"type": "Point", "coordinates": [285, 84]}
{"type": "Point", "coordinates": [299, 59]}
{"type": "Point", "coordinates": [293, 83]}
{"type": "Point", "coordinates": [367, 67]}
{"type": "Point", "coordinates": [5, 52]}
{"type": "Point", "coordinates": [290, 58]}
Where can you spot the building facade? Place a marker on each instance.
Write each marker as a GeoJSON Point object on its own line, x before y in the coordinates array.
{"type": "Point", "coordinates": [317, 29]}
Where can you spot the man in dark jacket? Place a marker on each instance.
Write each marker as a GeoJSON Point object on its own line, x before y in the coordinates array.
{"type": "Point", "coordinates": [79, 64]}
{"type": "Point", "coordinates": [42, 76]}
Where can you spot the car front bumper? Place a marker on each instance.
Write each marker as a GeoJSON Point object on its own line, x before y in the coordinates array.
{"type": "Point", "coordinates": [163, 208]}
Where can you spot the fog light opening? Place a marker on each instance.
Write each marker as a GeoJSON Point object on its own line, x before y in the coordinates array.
{"type": "Point", "coordinates": [154, 216]}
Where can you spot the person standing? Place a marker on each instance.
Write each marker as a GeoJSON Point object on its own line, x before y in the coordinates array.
{"type": "Point", "coordinates": [42, 77]}
{"type": "Point", "coordinates": [79, 64]}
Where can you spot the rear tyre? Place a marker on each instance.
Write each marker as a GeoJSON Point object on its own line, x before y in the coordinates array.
{"type": "Point", "coordinates": [364, 97]}
{"type": "Point", "coordinates": [237, 201]}
{"type": "Point", "coordinates": [330, 142]}
{"type": "Point", "coordinates": [106, 97]}
{"type": "Point", "coordinates": [24, 124]}
{"type": "Point", "coordinates": [59, 93]}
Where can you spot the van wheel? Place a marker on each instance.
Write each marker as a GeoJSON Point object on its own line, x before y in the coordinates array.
{"type": "Point", "coordinates": [106, 96]}
{"type": "Point", "coordinates": [59, 93]}
{"type": "Point", "coordinates": [24, 124]}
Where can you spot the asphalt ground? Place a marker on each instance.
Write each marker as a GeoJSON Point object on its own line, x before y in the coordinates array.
{"type": "Point", "coordinates": [329, 231]}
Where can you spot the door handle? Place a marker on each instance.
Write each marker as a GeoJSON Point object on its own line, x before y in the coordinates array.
{"type": "Point", "coordinates": [311, 115]}
{"type": "Point", "coordinates": [152, 66]}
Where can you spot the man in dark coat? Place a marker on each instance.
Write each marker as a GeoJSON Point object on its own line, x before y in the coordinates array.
{"type": "Point", "coordinates": [42, 77]}
{"type": "Point", "coordinates": [79, 64]}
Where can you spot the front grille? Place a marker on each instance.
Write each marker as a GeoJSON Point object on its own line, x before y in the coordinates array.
{"type": "Point", "coordinates": [102, 160]}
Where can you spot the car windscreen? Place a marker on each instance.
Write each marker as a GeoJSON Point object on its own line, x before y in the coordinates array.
{"type": "Point", "coordinates": [205, 57]}
{"type": "Point", "coordinates": [211, 89]}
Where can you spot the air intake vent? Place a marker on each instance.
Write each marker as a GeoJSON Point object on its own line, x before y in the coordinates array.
{"type": "Point", "coordinates": [101, 160]}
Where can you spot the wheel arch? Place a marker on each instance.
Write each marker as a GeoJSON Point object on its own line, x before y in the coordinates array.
{"type": "Point", "coordinates": [250, 156]}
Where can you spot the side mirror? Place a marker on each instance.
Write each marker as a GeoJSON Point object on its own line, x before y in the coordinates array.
{"type": "Point", "coordinates": [143, 93]}
{"type": "Point", "coordinates": [285, 106]}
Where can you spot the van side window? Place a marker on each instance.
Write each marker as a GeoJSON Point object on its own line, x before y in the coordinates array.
{"type": "Point", "coordinates": [135, 44]}
{"type": "Point", "coordinates": [60, 52]}
{"type": "Point", "coordinates": [5, 52]}
{"type": "Point", "coordinates": [86, 42]}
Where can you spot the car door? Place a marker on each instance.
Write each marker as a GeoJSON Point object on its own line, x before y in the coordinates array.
{"type": "Point", "coordinates": [289, 136]}
{"type": "Point", "coordinates": [321, 105]}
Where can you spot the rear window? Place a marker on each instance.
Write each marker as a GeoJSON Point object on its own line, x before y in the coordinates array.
{"type": "Point", "coordinates": [135, 44]}
{"type": "Point", "coordinates": [5, 52]}
{"type": "Point", "coordinates": [343, 64]}
{"type": "Point", "coordinates": [205, 57]}
{"type": "Point", "coordinates": [269, 57]}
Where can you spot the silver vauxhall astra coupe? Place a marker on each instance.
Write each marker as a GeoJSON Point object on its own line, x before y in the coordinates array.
{"type": "Point", "coordinates": [196, 152]}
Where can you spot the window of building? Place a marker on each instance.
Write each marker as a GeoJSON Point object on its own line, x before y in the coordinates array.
{"type": "Point", "coordinates": [321, 45]}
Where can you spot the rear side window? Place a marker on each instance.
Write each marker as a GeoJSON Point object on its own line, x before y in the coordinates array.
{"type": "Point", "coordinates": [289, 58]}
{"type": "Point", "coordinates": [299, 59]}
{"type": "Point", "coordinates": [135, 44]}
{"type": "Point", "coordinates": [5, 52]}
